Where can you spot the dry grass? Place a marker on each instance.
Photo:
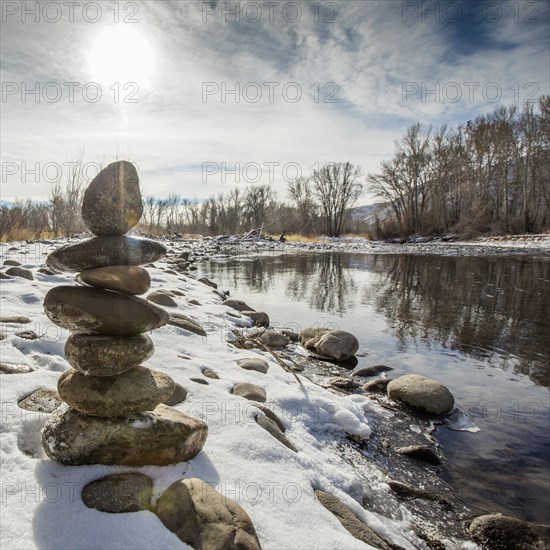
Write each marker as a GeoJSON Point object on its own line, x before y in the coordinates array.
{"type": "Point", "coordinates": [25, 234]}
{"type": "Point", "coordinates": [357, 236]}
{"type": "Point", "coordinates": [296, 238]}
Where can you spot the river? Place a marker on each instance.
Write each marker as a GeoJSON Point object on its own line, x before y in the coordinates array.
{"type": "Point", "coordinates": [480, 325]}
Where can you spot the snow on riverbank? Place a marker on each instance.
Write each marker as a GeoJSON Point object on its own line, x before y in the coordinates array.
{"type": "Point", "coordinates": [41, 504]}
{"type": "Point", "coordinates": [483, 246]}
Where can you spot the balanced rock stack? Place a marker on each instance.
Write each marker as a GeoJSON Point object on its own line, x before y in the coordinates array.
{"type": "Point", "coordinates": [115, 413]}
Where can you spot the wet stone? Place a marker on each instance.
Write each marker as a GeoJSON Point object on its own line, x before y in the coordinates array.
{"type": "Point", "coordinates": [105, 251]}
{"type": "Point", "coordinates": [107, 355]}
{"type": "Point", "coordinates": [95, 311]}
{"type": "Point", "coordinates": [420, 452]}
{"type": "Point", "coordinates": [112, 202]}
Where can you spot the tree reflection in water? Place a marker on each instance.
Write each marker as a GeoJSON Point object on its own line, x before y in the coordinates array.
{"type": "Point", "coordinates": [324, 282]}
{"type": "Point", "coordinates": [496, 309]}
{"type": "Point", "coordinates": [474, 305]}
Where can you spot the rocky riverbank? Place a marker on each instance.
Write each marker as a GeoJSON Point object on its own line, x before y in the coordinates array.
{"type": "Point", "coordinates": [290, 435]}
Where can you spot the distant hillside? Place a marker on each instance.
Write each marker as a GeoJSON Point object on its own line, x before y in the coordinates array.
{"type": "Point", "coordinates": [368, 212]}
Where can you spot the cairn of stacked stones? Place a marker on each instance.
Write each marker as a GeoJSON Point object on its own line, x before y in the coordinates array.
{"type": "Point", "coordinates": [113, 412]}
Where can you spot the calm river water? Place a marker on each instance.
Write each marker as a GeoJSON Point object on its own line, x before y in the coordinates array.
{"type": "Point", "coordinates": [479, 325]}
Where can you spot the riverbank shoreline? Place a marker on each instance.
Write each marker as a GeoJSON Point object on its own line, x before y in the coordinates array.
{"type": "Point", "coordinates": [538, 245]}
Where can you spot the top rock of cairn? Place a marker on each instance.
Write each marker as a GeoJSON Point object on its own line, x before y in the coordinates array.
{"type": "Point", "coordinates": [112, 203]}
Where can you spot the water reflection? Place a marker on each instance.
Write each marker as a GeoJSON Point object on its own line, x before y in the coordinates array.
{"type": "Point", "coordinates": [494, 309]}
{"type": "Point", "coordinates": [324, 283]}
{"type": "Point", "coordinates": [474, 305]}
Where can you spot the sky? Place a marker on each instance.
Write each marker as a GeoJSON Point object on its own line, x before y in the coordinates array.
{"type": "Point", "coordinates": [207, 96]}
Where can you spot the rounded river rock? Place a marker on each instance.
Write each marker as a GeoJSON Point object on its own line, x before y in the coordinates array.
{"type": "Point", "coordinates": [95, 311]}
{"type": "Point", "coordinates": [137, 390]}
{"type": "Point", "coordinates": [112, 203]}
{"type": "Point", "coordinates": [107, 355]}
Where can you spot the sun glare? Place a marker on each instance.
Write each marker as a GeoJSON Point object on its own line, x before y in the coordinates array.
{"type": "Point", "coordinates": [122, 55]}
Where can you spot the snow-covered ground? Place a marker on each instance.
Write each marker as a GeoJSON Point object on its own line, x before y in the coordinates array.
{"type": "Point", "coordinates": [41, 504]}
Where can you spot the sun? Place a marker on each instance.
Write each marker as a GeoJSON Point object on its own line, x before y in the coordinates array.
{"type": "Point", "coordinates": [121, 54]}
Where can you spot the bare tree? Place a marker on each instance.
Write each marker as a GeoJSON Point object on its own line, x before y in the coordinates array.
{"type": "Point", "coordinates": [301, 194]}
{"type": "Point", "coordinates": [336, 188]}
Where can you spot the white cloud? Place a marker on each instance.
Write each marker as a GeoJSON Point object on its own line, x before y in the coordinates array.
{"type": "Point", "coordinates": [173, 129]}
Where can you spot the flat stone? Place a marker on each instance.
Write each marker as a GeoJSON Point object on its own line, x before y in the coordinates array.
{"type": "Point", "coordinates": [204, 518]}
{"type": "Point", "coordinates": [207, 282]}
{"type": "Point", "coordinates": [162, 299]}
{"type": "Point", "coordinates": [119, 493]}
{"type": "Point", "coordinates": [420, 452]}
{"type": "Point", "coordinates": [96, 311]}
{"type": "Point", "coordinates": [105, 251]}
{"type": "Point", "coordinates": [4, 277]}
{"type": "Point", "coordinates": [371, 371]}
{"type": "Point", "coordinates": [194, 302]}
{"type": "Point", "coordinates": [343, 382]}
{"type": "Point", "coordinates": [20, 272]}
{"type": "Point", "coordinates": [270, 414]}
{"type": "Point", "coordinates": [210, 374]}
{"type": "Point", "coordinates": [160, 437]}
{"type": "Point", "coordinates": [46, 271]}
{"type": "Point", "coordinates": [179, 396]}
{"type": "Point", "coordinates": [15, 368]}
{"type": "Point", "coordinates": [44, 401]}
{"type": "Point", "coordinates": [254, 363]}
{"type": "Point", "coordinates": [27, 335]}
{"type": "Point", "coordinates": [112, 202]}
{"type": "Point", "coordinates": [408, 492]}
{"type": "Point", "coordinates": [260, 318]}
{"type": "Point", "coordinates": [182, 321]}
{"type": "Point", "coordinates": [12, 262]}
{"type": "Point", "coordinates": [239, 305]}
{"type": "Point", "coordinates": [107, 355]}
{"type": "Point", "coordinates": [15, 319]}
{"type": "Point", "coordinates": [350, 521]}
{"type": "Point", "coordinates": [272, 428]}
{"type": "Point", "coordinates": [136, 390]}
{"type": "Point", "coordinates": [200, 381]}
{"type": "Point", "coordinates": [421, 392]}
{"type": "Point", "coordinates": [498, 532]}
{"type": "Point", "coordinates": [249, 391]}
{"type": "Point", "coordinates": [130, 279]}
